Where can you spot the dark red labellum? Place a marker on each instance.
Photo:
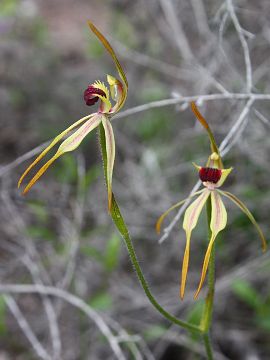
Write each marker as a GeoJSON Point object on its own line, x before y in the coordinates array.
{"type": "Point", "coordinates": [210, 174]}
{"type": "Point", "coordinates": [90, 97]}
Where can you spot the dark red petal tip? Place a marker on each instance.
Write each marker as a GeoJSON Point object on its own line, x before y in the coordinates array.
{"type": "Point", "coordinates": [90, 93]}
{"type": "Point", "coordinates": [210, 174]}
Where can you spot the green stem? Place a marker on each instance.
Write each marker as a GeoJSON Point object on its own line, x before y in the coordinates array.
{"type": "Point", "coordinates": [209, 301]}
{"type": "Point", "coordinates": [208, 347]}
{"type": "Point", "coordinates": [121, 226]}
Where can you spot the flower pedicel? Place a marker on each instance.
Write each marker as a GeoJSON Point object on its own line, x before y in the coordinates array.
{"type": "Point", "coordinates": [212, 176]}
{"type": "Point", "coordinates": [97, 91]}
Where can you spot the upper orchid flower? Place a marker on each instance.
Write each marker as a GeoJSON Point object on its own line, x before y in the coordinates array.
{"type": "Point", "coordinates": [117, 92]}
{"type": "Point", "coordinates": [212, 176]}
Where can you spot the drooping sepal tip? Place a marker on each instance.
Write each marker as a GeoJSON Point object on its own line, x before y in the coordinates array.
{"type": "Point", "coordinates": [205, 124]}
{"type": "Point", "coordinates": [90, 122]}
{"type": "Point", "coordinates": [185, 267]}
{"type": "Point", "coordinates": [246, 211]}
{"type": "Point", "coordinates": [109, 48]}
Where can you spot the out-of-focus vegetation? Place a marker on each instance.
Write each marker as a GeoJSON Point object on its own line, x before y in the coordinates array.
{"type": "Point", "coordinates": [60, 235]}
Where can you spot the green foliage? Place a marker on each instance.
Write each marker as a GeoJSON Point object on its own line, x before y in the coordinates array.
{"type": "Point", "coordinates": [101, 301]}
{"type": "Point", "coordinates": [42, 229]}
{"type": "Point", "coordinates": [154, 332]}
{"type": "Point", "coordinates": [18, 98]}
{"type": "Point", "coordinates": [194, 317]}
{"type": "Point", "coordinates": [66, 172]}
{"type": "Point", "coordinates": [244, 291]}
{"type": "Point", "coordinates": [241, 221]}
{"type": "Point", "coordinates": [92, 253]}
{"type": "Point", "coordinates": [91, 175]}
{"type": "Point", "coordinates": [251, 192]}
{"type": "Point", "coordinates": [152, 93]}
{"type": "Point", "coordinates": [263, 316]}
{"type": "Point", "coordinates": [93, 49]}
{"type": "Point", "coordinates": [41, 232]}
{"type": "Point", "coordinates": [8, 7]}
{"type": "Point", "coordinates": [39, 32]}
{"type": "Point", "coordinates": [39, 210]}
{"type": "Point", "coordinates": [3, 307]}
{"type": "Point", "coordinates": [112, 253]}
{"type": "Point", "coordinates": [195, 314]}
{"type": "Point", "coordinates": [109, 259]}
{"type": "Point", "coordinates": [261, 307]}
{"type": "Point", "coordinates": [124, 31]}
{"type": "Point", "coordinates": [155, 125]}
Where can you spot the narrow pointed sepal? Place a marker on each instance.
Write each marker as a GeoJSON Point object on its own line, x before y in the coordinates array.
{"type": "Point", "coordinates": [224, 174]}
{"type": "Point", "coordinates": [185, 268]}
{"type": "Point", "coordinates": [205, 124]}
{"type": "Point", "coordinates": [52, 144]}
{"type": "Point", "coordinates": [110, 151]}
{"type": "Point", "coordinates": [218, 223]}
{"type": "Point", "coordinates": [70, 144]}
{"type": "Point", "coordinates": [190, 221]}
{"type": "Point", "coordinates": [246, 211]}
{"type": "Point", "coordinates": [197, 167]}
{"type": "Point", "coordinates": [120, 70]}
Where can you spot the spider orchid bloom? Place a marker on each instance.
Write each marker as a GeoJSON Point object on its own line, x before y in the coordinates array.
{"type": "Point", "coordinates": [212, 176]}
{"type": "Point", "coordinates": [117, 92]}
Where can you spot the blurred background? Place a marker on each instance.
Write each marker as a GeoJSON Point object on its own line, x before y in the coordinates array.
{"type": "Point", "coordinates": [61, 236]}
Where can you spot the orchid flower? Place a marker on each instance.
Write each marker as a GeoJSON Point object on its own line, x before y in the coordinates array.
{"type": "Point", "coordinates": [117, 92]}
{"type": "Point", "coordinates": [213, 175]}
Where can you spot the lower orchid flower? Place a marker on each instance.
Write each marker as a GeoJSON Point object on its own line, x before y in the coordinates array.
{"type": "Point", "coordinates": [117, 92]}
{"type": "Point", "coordinates": [212, 176]}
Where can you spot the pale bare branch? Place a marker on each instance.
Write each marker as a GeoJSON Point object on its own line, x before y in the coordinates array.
{"type": "Point", "coordinates": [26, 329]}
{"type": "Point", "coordinates": [74, 301]}
{"type": "Point", "coordinates": [241, 35]}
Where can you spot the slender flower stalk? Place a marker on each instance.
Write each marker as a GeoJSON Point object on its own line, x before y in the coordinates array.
{"type": "Point", "coordinates": [213, 176]}
{"type": "Point", "coordinates": [112, 98]}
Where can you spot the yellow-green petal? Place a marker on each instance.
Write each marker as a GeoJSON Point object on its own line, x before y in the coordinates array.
{"type": "Point", "coordinates": [224, 175]}
{"type": "Point", "coordinates": [246, 211]}
{"type": "Point", "coordinates": [110, 151]}
{"type": "Point", "coordinates": [162, 217]}
{"type": "Point", "coordinates": [113, 82]}
{"type": "Point", "coordinates": [193, 211]}
{"type": "Point", "coordinates": [105, 105]}
{"type": "Point", "coordinates": [117, 93]}
{"type": "Point", "coordinates": [218, 223]}
{"type": "Point", "coordinates": [190, 221]}
{"type": "Point", "coordinates": [54, 142]}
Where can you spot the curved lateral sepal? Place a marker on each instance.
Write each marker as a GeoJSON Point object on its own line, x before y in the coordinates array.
{"type": "Point", "coordinates": [70, 144]}
{"type": "Point", "coordinates": [246, 211]}
{"type": "Point", "coordinates": [54, 142]}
